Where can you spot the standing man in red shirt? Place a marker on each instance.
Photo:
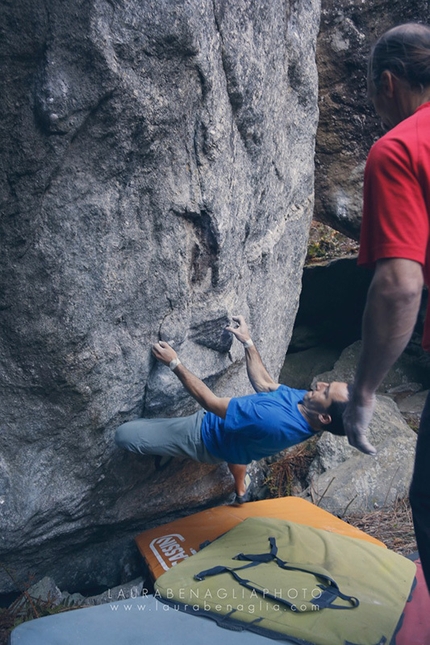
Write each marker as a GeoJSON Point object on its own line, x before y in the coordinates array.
{"type": "Point", "coordinates": [395, 240]}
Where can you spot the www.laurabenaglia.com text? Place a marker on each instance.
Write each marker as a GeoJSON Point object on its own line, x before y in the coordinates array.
{"type": "Point", "coordinates": [206, 600]}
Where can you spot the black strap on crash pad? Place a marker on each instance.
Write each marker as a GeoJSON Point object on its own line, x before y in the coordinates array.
{"type": "Point", "coordinates": [330, 589]}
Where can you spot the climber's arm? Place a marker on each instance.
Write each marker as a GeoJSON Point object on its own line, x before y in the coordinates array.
{"type": "Point", "coordinates": [198, 390]}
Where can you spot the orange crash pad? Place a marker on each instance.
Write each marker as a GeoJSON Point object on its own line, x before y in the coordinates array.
{"type": "Point", "coordinates": [168, 544]}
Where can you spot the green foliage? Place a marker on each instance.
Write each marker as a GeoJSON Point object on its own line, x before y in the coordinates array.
{"type": "Point", "coordinates": [325, 244]}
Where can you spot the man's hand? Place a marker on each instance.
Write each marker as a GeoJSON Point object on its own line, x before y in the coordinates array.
{"type": "Point", "coordinates": [241, 331]}
{"type": "Point", "coordinates": [356, 419]}
{"type": "Point", "coordinates": [163, 352]}
{"type": "Point", "coordinates": [260, 379]}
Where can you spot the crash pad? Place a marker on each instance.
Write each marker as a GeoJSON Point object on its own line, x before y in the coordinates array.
{"type": "Point", "coordinates": [146, 620]}
{"type": "Point", "coordinates": [415, 628]}
{"type": "Point", "coordinates": [128, 622]}
{"type": "Point", "coordinates": [280, 578]}
{"type": "Point", "coordinates": [166, 545]}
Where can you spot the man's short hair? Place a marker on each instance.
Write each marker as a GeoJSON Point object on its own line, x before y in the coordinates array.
{"type": "Point", "coordinates": [405, 52]}
{"type": "Point", "coordinates": [336, 410]}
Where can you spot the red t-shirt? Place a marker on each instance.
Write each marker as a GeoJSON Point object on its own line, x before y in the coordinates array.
{"type": "Point", "coordinates": [396, 207]}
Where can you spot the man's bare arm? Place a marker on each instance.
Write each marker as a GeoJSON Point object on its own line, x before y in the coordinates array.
{"type": "Point", "coordinates": [259, 377]}
{"type": "Point", "coordinates": [389, 318]}
{"type": "Point", "coordinates": [198, 390]}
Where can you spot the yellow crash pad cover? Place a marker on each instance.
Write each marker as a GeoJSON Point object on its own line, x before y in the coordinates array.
{"type": "Point", "coordinates": [166, 545]}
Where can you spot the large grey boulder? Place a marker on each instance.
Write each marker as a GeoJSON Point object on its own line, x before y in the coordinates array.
{"type": "Point", "coordinates": [157, 177]}
{"type": "Point", "coordinates": [348, 123]}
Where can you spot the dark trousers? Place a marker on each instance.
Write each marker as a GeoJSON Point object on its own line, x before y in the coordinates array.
{"type": "Point", "coordinates": [420, 491]}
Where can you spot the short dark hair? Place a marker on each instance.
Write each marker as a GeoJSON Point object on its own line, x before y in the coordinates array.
{"type": "Point", "coordinates": [405, 52]}
{"type": "Point", "coordinates": [336, 410]}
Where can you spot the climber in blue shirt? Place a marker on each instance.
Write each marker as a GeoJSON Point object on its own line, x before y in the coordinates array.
{"type": "Point", "coordinates": [237, 430]}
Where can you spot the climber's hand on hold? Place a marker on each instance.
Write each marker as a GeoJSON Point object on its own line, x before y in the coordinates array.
{"type": "Point", "coordinates": [163, 352]}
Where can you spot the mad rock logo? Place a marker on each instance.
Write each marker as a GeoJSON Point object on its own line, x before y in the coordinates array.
{"type": "Point", "coordinates": [169, 551]}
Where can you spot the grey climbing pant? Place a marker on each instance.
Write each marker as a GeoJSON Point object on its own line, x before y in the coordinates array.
{"type": "Point", "coordinates": [174, 437]}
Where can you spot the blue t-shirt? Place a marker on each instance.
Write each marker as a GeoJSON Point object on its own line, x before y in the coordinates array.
{"type": "Point", "coordinates": [256, 426]}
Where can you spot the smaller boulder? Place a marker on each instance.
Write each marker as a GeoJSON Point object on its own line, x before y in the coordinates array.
{"type": "Point", "coordinates": [43, 592]}
{"type": "Point", "coordinates": [299, 368]}
{"type": "Point", "coordinates": [342, 479]}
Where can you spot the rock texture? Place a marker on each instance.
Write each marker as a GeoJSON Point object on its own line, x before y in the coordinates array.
{"type": "Point", "coordinates": [157, 177]}
{"type": "Point", "coordinates": [348, 124]}
{"type": "Point", "coordinates": [300, 368]}
{"type": "Point", "coordinates": [411, 407]}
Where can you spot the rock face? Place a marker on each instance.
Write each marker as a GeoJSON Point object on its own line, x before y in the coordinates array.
{"type": "Point", "coordinates": [157, 178]}
{"type": "Point", "coordinates": [348, 123]}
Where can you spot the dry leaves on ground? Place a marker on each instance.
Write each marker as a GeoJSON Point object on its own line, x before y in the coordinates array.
{"type": "Point", "coordinates": [394, 527]}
